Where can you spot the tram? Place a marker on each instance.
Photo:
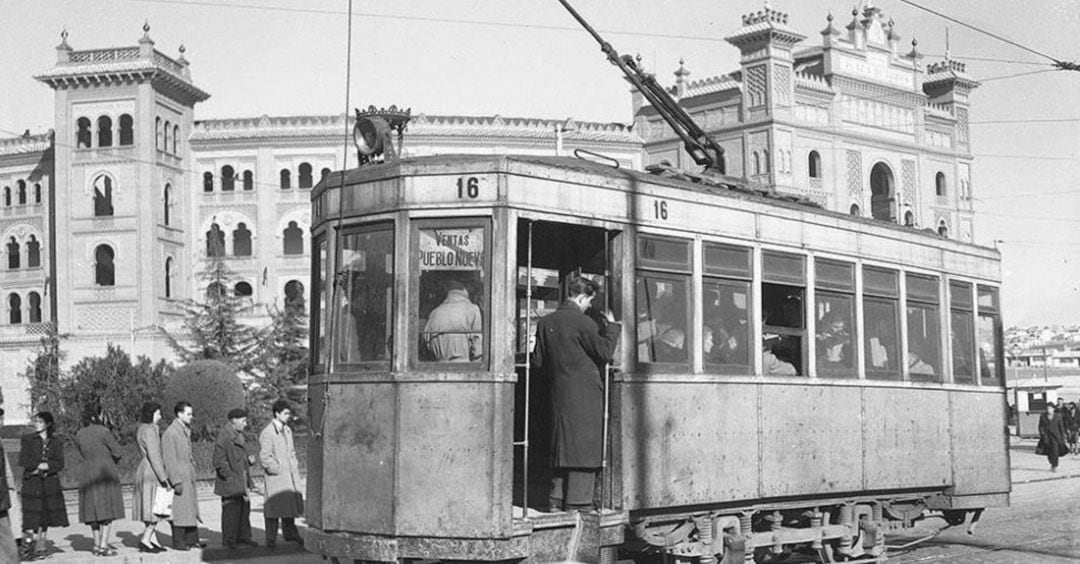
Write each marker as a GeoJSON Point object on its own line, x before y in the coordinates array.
{"type": "Point", "coordinates": [836, 376]}
{"type": "Point", "coordinates": [788, 378]}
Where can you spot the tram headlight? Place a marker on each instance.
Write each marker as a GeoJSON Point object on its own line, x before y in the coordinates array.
{"type": "Point", "coordinates": [371, 135]}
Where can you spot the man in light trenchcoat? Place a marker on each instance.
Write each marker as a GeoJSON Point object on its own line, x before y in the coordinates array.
{"type": "Point", "coordinates": [180, 470]}
{"type": "Point", "coordinates": [284, 499]}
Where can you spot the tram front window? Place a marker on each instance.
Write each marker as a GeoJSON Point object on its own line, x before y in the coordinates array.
{"type": "Point", "coordinates": [990, 338]}
{"type": "Point", "coordinates": [962, 325]}
{"type": "Point", "coordinates": [367, 260]}
{"type": "Point", "coordinates": [451, 295]}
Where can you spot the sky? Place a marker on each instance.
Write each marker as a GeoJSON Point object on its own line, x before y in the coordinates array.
{"type": "Point", "coordinates": [529, 58]}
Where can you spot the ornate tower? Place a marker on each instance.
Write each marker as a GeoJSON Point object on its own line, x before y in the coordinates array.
{"type": "Point", "coordinates": [765, 43]}
{"type": "Point", "coordinates": [123, 116]}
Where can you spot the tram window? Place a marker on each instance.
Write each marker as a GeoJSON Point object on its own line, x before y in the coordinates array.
{"type": "Point", "coordinates": [662, 300]}
{"type": "Point", "coordinates": [320, 292]}
{"type": "Point", "coordinates": [662, 318]}
{"type": "Point", "coordinates": [451, 293]}
{"type": "Point", "coordinates": [991, 340]}
{"type": "Point", "coordinates": [962, 332]}
{"type": "Point", "coordinates": [367, 266]}
{"type": "Point", "coordinates": [924, 328]}
{"type": "Point", "coordinates": [783, 314]}
{"type": "Point", "coordinates": [881, 316]}
{"type": "Point", "coordinates": [725, 327]}
{"type": "Point", "coordinates": [835, 316]}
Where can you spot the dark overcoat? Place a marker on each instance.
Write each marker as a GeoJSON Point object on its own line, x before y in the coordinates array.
{"type": "Point", "coordinates": [42, 496]}
{"type": "Point", "coordinates": [571, 351]}
{"type": "Point", "coordinates": [231, 463]}
{"type": "Point", "coordinates": [99, 481]}
{"type": "Point", "coordinates": [1052, 433]}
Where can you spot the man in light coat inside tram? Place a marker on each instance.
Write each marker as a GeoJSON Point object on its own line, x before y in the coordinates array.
{"type": "Point", "coordinates": [284, 499]}
{"type": "Point", "coordinates": [180, 470]}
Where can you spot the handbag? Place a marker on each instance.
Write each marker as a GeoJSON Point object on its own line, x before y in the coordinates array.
{"type": "Point", "coordinates": [163, 500]}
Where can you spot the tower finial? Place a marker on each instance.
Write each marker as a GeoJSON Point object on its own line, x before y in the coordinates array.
{"type": "Point", "coordinates": [146, 27]}
{"type": "Point", "coordinates": [946, 43]}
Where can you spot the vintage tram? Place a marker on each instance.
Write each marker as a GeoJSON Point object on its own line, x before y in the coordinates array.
{"type": "Point", "coordinates": [788, 378]}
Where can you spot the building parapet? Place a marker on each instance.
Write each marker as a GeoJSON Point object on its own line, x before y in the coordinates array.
{"type": "Point", "coordinates": [939, 110]}
{"type": "Point", "coordinates": [26, 144]}
{"type": "Point", "coordinates": [813, 82]}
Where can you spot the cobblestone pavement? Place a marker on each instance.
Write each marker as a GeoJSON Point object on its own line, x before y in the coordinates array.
{"type": "Point", "coordinates": [1041, 527]}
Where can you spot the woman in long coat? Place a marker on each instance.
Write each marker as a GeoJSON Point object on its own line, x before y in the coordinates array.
{"type": "Point", "coordinates": [100, 501]}
{"type": "Point", "coordinates": [180, 468]}
{"type": "Point", "coordinates": [1052, 436]}
{"type": "Point", "coordinates": [41, 457]}
{"type": "Point", "coordinates": [148, 476]}
{"type": "Point", "coordinates": [277, 454]}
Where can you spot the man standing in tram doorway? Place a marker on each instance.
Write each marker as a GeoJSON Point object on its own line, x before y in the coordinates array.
{"type": "Point", "coordinates": [571, 351]}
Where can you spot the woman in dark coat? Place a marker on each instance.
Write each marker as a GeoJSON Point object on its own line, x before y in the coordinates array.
{"type": "Point", "coordinates": [1052, 435]}
{"type": "Point", "coordinates": [100, 501]}
{"type": "Point", "coordinates": [41, 458]}
{"type": "Point", "coordinates": [571, 351]}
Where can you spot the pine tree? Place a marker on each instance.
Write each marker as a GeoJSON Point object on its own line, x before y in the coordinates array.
{"type": "Point", "coordinates": [213, 329]}
{"type": "Point", "coordinates": [44, 374]}
{"type": "Point", "coordinates": [282, 360]}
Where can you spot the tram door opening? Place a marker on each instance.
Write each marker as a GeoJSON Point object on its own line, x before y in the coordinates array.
{"type": "Point", "coordinates": [548, 255]}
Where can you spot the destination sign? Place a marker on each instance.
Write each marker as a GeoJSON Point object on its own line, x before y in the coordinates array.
{"type": "Point", "coordinates": [452, 249]}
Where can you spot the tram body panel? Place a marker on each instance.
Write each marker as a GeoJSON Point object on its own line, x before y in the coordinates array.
{"type": "Point", "coordinates": [687, 443]}
{"type": "Point", "coordinates": [904, 425]}
{"type": "Point", "coordinates": [980, 457]}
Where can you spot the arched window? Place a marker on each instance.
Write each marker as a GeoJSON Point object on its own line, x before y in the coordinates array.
{"type": "Point", "coordinates": [286, 179]}
{"type": "Point", "coordinates": [157, 134]}
{"type": "Point", "coordinates": [813, 163]}
{"type": "Point", "coordinates": [294, 239]}
{"type": "Point", "coordinates": [7, 195]}
{"type": "Point", "coordinates": [37, 193]}
{"type": "Point", "coordinates": [294, 295]}
{"type": "Point", "coordinates": [165, 136]}
{"type": "Point", "coordinates": [127, 130]}
{"type": "Point", "coordinates": [22, 192]}
{"type": "Point", "coordinates": [215, 241]}
{"type": "Point", "coordinates": [765, 160]}
{"type": "Point", "coordinates": [241, 241]}
{"type": "Point", "coordinates": [208, 182]}
{"type": "Point", "coordinates": [176, 139]}
{"type": "Point", "coordinates": [242, 289]}
{"type": "Point", "coordinates": [249, 181]}
{"type": "Point", "coordinates": [909, 219]}
{"type": "Point", "coordinates": [216, 291]}
{"type": "Point", "coordinates": [104, 268]}
{"type": "Point", "coordinates": [13, 254]}
{"type": "Point", "coordinates": [35, 307]}
{"type": "Point", "coordinates": [757, 163]}
{"type": "Point", "coordinates": [325, 172]}
{"type": "Point", "coordinates": [228, 179]}
{"type": "Point", "coordinates": [943, 229]}
{"type": "Point", "coordinates": [882, 193]}
{"type": "Point", "coordinates": [854, 210]}
{"type": "Point", "coordinates": [939, 183]}
{"type": "Point", "coordinates": [83, 135]}
{"type": "Point", "coordinates": [168, 276]}
{"type": "Point", "coordinates": [304, 179]}
{"type": "Point", "coordinates": [103, 192]}
{"type": "Point", "coordinates": [104, 131]}
{"type": "Point", "coordinates": [33, 253]}
{"type": "Point", "coordinates": [168, 203]}
{"type": "Point", "coordinates": [14, 309]}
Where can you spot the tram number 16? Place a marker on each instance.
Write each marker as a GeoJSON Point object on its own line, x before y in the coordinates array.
{"type": "Point", "coordinates": [659, 209]}
{"type": "Point", "coordinates": [468, 188]}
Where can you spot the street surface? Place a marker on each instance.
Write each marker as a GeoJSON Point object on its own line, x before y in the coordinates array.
{"type": "Point", "coordinates": [1042, 526]}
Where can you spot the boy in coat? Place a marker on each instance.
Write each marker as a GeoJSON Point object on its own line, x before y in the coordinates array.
{"type": "Point", "coordinates": [571, 351]}
{"type": "Point", "coordinates": [180, 469]}
{"type": "Point", "coordinates": [233, 480]}
{"type": "Point", "coordinates": [284, 500]}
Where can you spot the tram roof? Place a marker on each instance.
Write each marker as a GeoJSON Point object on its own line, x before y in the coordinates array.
{"type": "Point", "coordinates": [533, 165]}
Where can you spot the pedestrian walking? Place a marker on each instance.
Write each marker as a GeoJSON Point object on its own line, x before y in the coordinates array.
{"type": "Point", "coordinates": [284, 500]}
{"type": "Point", "coordinates": [100, 501]}
{"type": "Point", "coordinates": [233, 480]}
{"type": "Point", "coordinates": [9, 549]}
{"type": "Point", "coordinates": [1072, 425]}
{"type": "Point", "coordinates": [180, 469]}
{"type": "Point", "coordinates": [1051, 436]}
{"type": "Point", "coordinates": [571, 351]}
{"type": "Point", "coordinates": [42, 459]}
{"type": "Point", "coordinates": [149, 476]}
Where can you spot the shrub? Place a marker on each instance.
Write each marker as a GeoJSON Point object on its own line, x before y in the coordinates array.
{"type": "Point", "coordinates": [212, 388]}
{"type": "Point", "coordinates": [113, 383]}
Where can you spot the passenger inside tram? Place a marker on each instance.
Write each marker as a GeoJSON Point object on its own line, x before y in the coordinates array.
{"type": "Point", "coordinates": [834, 342]}
{"type": "Point", "coordinates": [771, 365]}
{"type": "Point", "coordinates": [453, 330]}
{"type": "Point", "coordinates": [670, 347]}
